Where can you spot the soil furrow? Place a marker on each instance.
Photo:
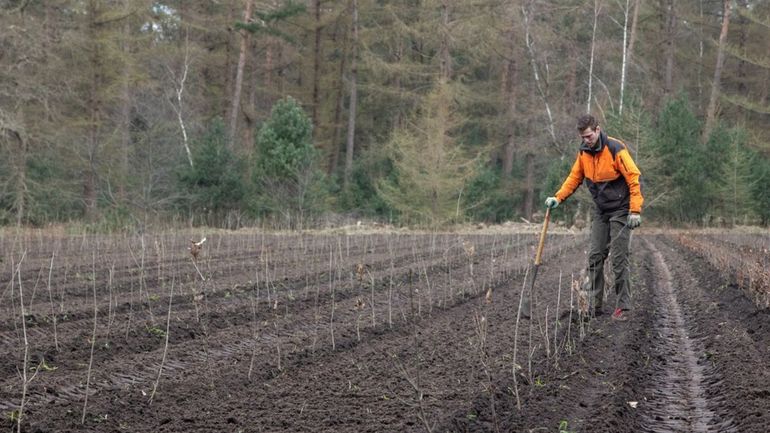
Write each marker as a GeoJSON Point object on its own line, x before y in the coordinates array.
{"type": "Point", "coordinates": [694, 355]}
{"type": "Point", "coordinates": [244, 347]}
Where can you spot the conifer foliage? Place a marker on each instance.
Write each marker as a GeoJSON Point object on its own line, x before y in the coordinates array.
{"type": "Point", "coordinates": [286, 178]}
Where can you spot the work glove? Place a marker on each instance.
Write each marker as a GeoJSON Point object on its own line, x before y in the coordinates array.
{"type": "Point", "coordinates": [634, 220]}
{"type": "Point", "coordinates": [551, 202]}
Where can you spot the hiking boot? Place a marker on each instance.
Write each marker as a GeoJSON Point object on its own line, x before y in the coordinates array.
{"type": "Point", "coordinates": [619, 315]}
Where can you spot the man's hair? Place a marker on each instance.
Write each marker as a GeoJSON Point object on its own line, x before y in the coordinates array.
{"type": "Point", "coordinates": [586, 121]}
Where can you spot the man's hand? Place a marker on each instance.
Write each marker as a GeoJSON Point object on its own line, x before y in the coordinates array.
{"type": "Point", "coordinates": [634, 220]}
{"type": "Point", "coordinates": [551, 202]}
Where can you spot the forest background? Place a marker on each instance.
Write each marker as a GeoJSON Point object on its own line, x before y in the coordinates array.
{"type": "Point", "coordinates": [124, 113]}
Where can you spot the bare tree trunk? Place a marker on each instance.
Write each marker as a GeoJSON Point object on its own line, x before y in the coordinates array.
{"type": "Point", "coordinates": [597, 9]}
{"type": "Point", "coordinates": [529, 184]}
{"type": "Point", "coordinates": [764, 93]}
{"type": "Point", "coordinates": [12, 133]}
{"type": "Point", "coordinates": [742, 41]}
{"type": "Point", "coordinates": [19, 157]}
{"type": "Point", "coordinates": [715, 87]}
{"type": "Point", "coordinates": [350, 144]}
{"type": "Point", "coordinates": [125, 114]}
{"type": "Point", "coordinates": [533, 59]}
{"type": "Point", "coordinates": [235, 108]}
{"type": "Point", "coordinates": [570, 90]}
{"type": "Point", "coordinates": [316, 67]}
{"type": "Point", "coordinates": [338, 106]}
{"type": "Point", "coordinates": [628, 50]}
{"type": "Point", "coordinates": [179, 90]}
{"type": "Point", "coordinates": [251, 111]}
{"type": "Point", "coordinates": [94, 103]}
{"type": "Point", "coordinates": [446, 60]}
{"type": "Point", "coordinates": [670, 25]}
{"type": "Point", "coordinates": [509, 87]}
{"type": "Point", "coordinates": [398, 116]}
{"type": "Point", "coordinates": [700, 58]}
{"type": "Point", "coordinates": [269, 66]}
{"type": "Point", "coordinates": [232, 67]}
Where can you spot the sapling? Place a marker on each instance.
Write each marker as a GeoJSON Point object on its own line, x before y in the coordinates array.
{"type": "Point", "coordinates": [93, 342]}
{"type": "Point", "coordinates": [165, 346]}
{"type": "Point", "coordinates": [415, 381]}
{"type": "Point", "coordinates": [390, 285]}
{"type": "Point", "coordinates": [34, 288]}
{"type": "Point", "coordinates": [569, 321]}
{"type": "Point", "coordinates": [195, 249]}
{"type": "Point", "coordinates": [470, 251]}
{"type": "Point", "coordinates": [130, 307]}
{"type": "Point", "coordinates": [547, 340]}
{"type": "Point", "coordinates": [331, 290]}
{"type": "Point", "coordinates": [360, 305]}
{"type": "Point", "coordinates": [110, 315]}
{"type": "Point", "coordinates": [556, 324]}
{"type": "Point", "coordinates": [429, 290]}
{"type": "Point", "coordinates": [25, 381]}
{"type": "Point", "coordinates": [516, 341]}
{"type": "Point", "coordinates": [50, 299]}
{"type": "Point", "coordinates": [480, 328]}
{"type": "Point", "coordinates": [254, 336]}
{"type": "Point", "coordinates": [371, 302]}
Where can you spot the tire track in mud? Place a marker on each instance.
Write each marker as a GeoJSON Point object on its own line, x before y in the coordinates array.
{"type": "Point", "coordinates": [678, 401]}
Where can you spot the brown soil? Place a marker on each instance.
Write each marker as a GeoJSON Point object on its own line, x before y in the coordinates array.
{"type": "Point", "coordinates": [373, 333]}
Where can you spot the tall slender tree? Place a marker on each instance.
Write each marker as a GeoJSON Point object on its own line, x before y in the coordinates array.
{"type": "Point", "coordinates": [711, 111]}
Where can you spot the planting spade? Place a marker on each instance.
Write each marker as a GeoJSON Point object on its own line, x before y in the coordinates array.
{"type": "Point", "coordinates": [526, 305]}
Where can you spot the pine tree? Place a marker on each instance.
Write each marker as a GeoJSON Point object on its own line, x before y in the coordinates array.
{"type": "Point", "coordinates": [213, 183]}
{"type": "Point", "coordinates": [287, 179]}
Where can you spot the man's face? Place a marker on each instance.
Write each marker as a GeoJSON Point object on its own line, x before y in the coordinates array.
{"type": "Point", "coordinates": [590, 136]}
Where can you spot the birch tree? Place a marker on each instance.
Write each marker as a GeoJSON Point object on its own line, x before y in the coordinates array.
{"type": "Point", "coordinates": [629, 38]}
{"type": "Point", "coordinates": [528, 12]}
{"type": "Point", "coordinates": [597, 9]}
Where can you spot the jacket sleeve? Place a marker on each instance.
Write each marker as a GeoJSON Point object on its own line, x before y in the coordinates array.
{"type": "Point", "coordinates": [573, 181]}
{"type": "Point", "coordinates": [631, 173]}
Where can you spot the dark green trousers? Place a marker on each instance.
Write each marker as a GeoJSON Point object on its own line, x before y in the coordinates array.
{"type": "Point", "coordinates": [610, 237]}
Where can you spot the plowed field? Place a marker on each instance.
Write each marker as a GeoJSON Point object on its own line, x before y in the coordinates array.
{"type": "Point", "coordinates": [379, 332]}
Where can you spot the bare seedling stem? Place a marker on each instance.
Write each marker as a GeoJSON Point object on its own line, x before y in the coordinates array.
{"type": "Point", "coordinates": [516, 341]}
{"type": "Point", "coordinates": [390, 286]}
{"type": "Point", "coordinates": [196, 268]}
{"type": "Point", "coordinates": [371, 301]}
{"type": "Point", "coordinates": [480, 327]}
{"type": "Point", "coordinates": [93, 341]}
{"type": "Point", "coordinates": [165, 346]}
{"type": "Point", "coordinates": [25, 365]}
{"type": "Point", "coordinates": [50, 299]}
{"type": "Point", "coordinates": [331, 289]}
{"type": "Point", "coordinates": [110, 313]}
{"type": "Point", "coordinates": [556, 324]}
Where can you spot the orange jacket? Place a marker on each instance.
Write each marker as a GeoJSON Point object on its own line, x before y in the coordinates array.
{"type": "Point", "coordinates": [610, 175]}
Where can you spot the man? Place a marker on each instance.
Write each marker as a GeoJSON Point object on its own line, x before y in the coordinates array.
{"type": "Point", "coordinates": [612, 177]}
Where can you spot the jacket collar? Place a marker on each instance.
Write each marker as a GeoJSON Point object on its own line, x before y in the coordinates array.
{"type": "Point", "coordinates": [600, 144]}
